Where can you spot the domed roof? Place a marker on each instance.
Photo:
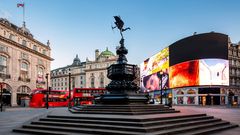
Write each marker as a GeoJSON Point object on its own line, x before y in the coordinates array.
{"type": "Point", "coordinates": [106, 53]}
{"type": "Point", "coordinates": [76, 61]}
{"type": "Point", "coordinates": [25, 30]}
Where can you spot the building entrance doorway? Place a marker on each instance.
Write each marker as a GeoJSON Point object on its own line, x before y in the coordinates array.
{"type": "Point", "coordinates": [7, 94]}
{"type": "Point", "coordinates": [23, 96]}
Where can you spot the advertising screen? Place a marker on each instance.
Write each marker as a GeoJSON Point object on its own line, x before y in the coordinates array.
{"type": "Point", "coordinates": [201, 46]}
{"type": "Point", "coordinates": [151, 68]}
{"type": "Point", "coordinates": [153, 82]}
{"type": "Point", "coordinates": [213, 72]}
{"type": "Point", "coordinates": [184, 74]}
{"type": "Point", "coordinates": [158, 62]}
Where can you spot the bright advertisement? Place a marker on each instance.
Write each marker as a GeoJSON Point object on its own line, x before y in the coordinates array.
{"type": "Point", "coordinates": [156, 81]}
{"type": "Point", "coordinates": [158, 62]}
{"type": "Point", "coordinates": [151, 70]}
{"type": "Point", "coordinates": [199, 72]}
{"type": "Point", "coordinates": [213, 72]}
{"type": "Point", "coordinates": [184, 74]}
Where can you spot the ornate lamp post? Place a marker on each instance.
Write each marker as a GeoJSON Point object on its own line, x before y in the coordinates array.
{"type": "Point", "coordinates": [47, 91]}
{"type": "Point", "coordinates": [69, 87]}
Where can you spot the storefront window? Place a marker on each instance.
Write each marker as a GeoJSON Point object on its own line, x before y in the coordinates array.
{"type": "Point", "coordinates": [179, 100]}
{"type": "Point", "coordinates": [191, 100]}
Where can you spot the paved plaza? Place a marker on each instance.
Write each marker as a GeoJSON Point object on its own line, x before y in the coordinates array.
{"type": "Point", "coordinates": [15, 117]}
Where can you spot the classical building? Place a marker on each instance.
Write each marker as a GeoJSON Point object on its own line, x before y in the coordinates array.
{"type": "Point", "coordinates": [24, 62]}
{"type": "Point", "coordinates": [60, 76]}
{"type": "Point", "coordinates": [88, 74]}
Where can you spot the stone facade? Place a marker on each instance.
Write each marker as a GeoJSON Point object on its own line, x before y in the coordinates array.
{"type": "Point", "coordinates": [88, 74]}
{"type": "Point", "coordinates": [24, 61]}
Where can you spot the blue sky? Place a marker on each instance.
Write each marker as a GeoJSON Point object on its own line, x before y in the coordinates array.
{"type": "Point", "coordinates": [81, 26]}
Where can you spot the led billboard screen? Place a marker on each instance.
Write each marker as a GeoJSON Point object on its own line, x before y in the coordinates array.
{"type": "Point", "coordinates": [151, 69]}
{"type": "Point", "coordinates": [213, 72]}
{"type": "Point", "coordinates": [153, 82]}
{"type": "Point", "coordinates": [158, 62]}
{"type": "Point", "coordinates": [201, 46]}
{"type": "Point", "coordinates": [184, 74]}
{"type": "Point", "coordinates": [193, 61]}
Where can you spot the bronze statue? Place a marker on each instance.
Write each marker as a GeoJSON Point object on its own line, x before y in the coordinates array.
{"type": "Point", "coordinates": [119, 24]}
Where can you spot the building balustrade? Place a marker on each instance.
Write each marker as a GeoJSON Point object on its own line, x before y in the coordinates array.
{"type": "Point", "coordinates": [5, 76]}
{"type": "Point", "coordinates": [24, 79]}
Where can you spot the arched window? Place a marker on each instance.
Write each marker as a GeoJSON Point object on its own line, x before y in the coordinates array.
{"type": "Point", "coordinates": [3, 64]}
{"type": "Point", "coordinates": [24, 66]}
{"type": "Point", "coordinates": [180, 92]}
{"type": "Point", "coordinates": [191, 91]}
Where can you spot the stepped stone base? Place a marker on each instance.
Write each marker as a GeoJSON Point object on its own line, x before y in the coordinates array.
{"type": "Point", "coordinates": [86, 123]}
{"type": "Point", "coordinates": [131, 109]}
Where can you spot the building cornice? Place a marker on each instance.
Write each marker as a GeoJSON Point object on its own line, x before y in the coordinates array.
{"type": "Point", "coordinates": [95, 69]}
{"type": "Point", "coordinates": [25, 48]}
{"type": "Point", "coordinates": [66, 75]}
{"type": "Point", "coordinates": [28, 37]}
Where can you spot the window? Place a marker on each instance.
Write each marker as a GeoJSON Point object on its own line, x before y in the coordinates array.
{"type": "Point", "coordinates": [180, 92]}
{"type": "Point", "coordinates": [11, 37]}
{"type": "Point", "coordinates": [24, 72]}
{"type": "Point", "coordinates": [24, 56]}
{"type": "Point", "coordinates": [3, 64]}
{"type": "Point", "coordinates": [102, 82]}
{"type": "Point", "coordinates": [44, 52]}
{"type": "Point", "coordinates": [24, 42]}
{"type": "Point", "coordinates": [34, 47]}
{"type": "Point", "coordinates": [40, 72]}
{"type": "Point", "coordinates": [92, 82]}
{"type": "Point", "coordinates": [191, 92]}
{"type": "Point", "coordinates": [24, 66]}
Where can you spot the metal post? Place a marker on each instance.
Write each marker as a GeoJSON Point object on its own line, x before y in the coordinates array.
{"type": "Point", "coordinates": [69, 95]}
{"type": "Point", "coordinates": [161, 86]}
{"type": "Point", "coordinates": [1, 97]}
{"type": "Point", "coordinates": [47, 92]}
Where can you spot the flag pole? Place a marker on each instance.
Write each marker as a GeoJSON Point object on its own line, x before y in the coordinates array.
{"type": "Point", "coordinates": [23, 14]}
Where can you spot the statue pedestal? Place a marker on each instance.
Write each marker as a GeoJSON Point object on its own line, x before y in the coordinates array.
{"type": "Point", "coordinates": [120, 99]}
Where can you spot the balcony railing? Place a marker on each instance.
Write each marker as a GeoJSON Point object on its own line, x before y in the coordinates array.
{"type": "Point", "coordinates": [5, 76]}
{"type": "Point", "coordinates": [24, 79]}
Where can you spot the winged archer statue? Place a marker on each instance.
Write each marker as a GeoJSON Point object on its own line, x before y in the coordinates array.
{"type": "Point", "coordinates": [119, 24]}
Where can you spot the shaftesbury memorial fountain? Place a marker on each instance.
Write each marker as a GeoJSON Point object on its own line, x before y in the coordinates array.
{"type": "Point", "coordinates": [122, 88]}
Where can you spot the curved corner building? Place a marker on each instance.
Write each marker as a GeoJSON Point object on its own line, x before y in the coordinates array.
{"type": "Point", "coordinates": [193, 71]}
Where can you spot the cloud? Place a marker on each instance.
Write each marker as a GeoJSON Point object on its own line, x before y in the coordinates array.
{"type": "Point", "coordinates": [5, 14]}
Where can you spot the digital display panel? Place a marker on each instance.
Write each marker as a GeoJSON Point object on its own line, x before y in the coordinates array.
{"type": "Point", "coordinates": [193, 61]}
{"type": "Point", "coordinates": [153, 82]}
{"type": "Point", "coordinates": [184, 74]}
{"type": "Point", "coordinates": [158, 62]}
{"type": "Point", "coordinates": [151, 70]}
{"type": "Point", "coordinates": [213, 72]}
{"type": "Point", "coordinates": [201, 46]}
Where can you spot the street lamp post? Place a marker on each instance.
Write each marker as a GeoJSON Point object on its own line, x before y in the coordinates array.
{"type": "Point", "coordinates": [2, 93]}
{"type": "Point", "coordinates": [69, 87]}
{"type": "Point", "coordinates": [47, 91]}
{"type": "Point", "coordinates": [1, 97]}
{"type": "Point", "coordinates": [161, 74]}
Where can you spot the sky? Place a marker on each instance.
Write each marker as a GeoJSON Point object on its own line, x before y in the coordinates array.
{"type": "Point", "coordinates": [82, 26]}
